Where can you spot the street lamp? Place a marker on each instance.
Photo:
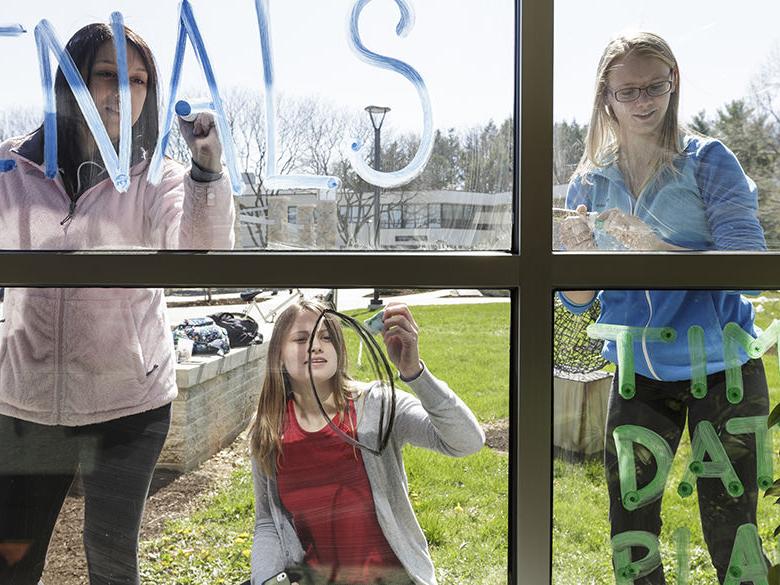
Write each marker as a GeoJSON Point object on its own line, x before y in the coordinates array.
{"type": "Point", "coordinates": [377, 115]}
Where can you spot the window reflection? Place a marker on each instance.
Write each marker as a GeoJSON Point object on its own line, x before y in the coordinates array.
{"type": "Point", "coordinates": [470, 144]}
{"type": "Point", "coordinates": [152, 384]}
{"type": "Point", "coordinates": [701, 360]}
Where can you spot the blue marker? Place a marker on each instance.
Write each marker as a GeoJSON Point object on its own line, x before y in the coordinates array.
{"type": "Point", "coordinates": [10, 30]}
{"type": "Point", "coordinates": [359, 152]}
{"type": "Point", "coordinates": [188, 28]}
{"type": "Point", "coordinates": [188, 110]}
{"type": "Point", "coordinates": [273, 181]}
{"type": "Point", "coordinates": [125, 105]}
{"type": "Point", "coordinates": [47, 41]}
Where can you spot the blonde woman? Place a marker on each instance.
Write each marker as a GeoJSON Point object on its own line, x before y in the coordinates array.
{"type": "Point", "coordinates": [339, 513]}
{"type": "Point", "coordinates": [649, 185]}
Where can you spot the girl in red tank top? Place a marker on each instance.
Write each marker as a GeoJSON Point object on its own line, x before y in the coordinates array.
{"type": "Point", "coordinates": [321, 479]}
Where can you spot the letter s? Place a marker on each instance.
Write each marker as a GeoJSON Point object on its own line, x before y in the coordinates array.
{"type": "Point", "coordinates": [358, 152]}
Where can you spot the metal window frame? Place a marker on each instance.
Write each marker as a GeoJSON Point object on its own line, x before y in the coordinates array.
{"type": "Point", "coordinates": [535, 275]}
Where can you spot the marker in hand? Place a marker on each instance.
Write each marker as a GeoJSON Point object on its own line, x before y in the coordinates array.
{"type": "Point", "coordinates": [188, 110]}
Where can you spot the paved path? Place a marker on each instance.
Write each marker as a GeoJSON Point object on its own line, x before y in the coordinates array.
{"type": "Point", "coordinates": [347, 299]}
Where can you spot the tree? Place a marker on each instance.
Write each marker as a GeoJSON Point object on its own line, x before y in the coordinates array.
{"type": "Point", "coordinates": [568, 147]}
{"type": "Point", "coordinates": [486, 158]}
{"type": "Point", "coordinates": [753, 139]}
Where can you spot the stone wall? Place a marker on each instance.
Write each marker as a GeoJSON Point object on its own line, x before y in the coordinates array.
{"type": "Point", "coordinates": [217, 398]}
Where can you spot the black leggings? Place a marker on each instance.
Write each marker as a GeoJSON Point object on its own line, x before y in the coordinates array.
{"type": "Point", "coordinates": [38, 463]}
{"type": "Point", "coordinates": [662, 407]}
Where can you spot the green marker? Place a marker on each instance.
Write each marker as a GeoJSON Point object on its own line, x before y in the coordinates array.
{"type": "Point", "coordinates": [611, 332]}
{"type": "Point", "coordinates": [757, 426]}
{"type": "Point", "coordinates": [747, 562]}
{"type": "Point", "coordinates": [626, 377]}
{"type": "Point", "coordinates": [734, 337]}
{"type": "Point", "coordinates": [698, 358]}
{"type": "Point", "coordinates": [625, 436]}
{"type": "Point", "coordinates": [682, 539]}
{"type": "Point", "coordinates": [626, 570]}
{"type": "Point", "coordinates": [624, 337]}
{"type": "Point", "coordinates": [705, 441]}
{"type": "Point", "coordinates": [766, 340]}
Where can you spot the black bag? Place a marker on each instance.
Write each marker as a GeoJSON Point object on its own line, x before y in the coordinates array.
{"type": "Point", "coordinates": [242, 330]}
{"type": "Point", "coordinates": [207, 337]}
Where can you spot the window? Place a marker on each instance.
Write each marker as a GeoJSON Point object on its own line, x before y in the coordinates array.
{"type": "Point", "coordinates": [463, 162]}
{"type": "Point", "coordinates": [647, 270]}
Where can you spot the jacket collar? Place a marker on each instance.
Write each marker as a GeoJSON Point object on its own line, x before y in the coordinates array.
{"type": "Point", "coordinates": [31, 147]}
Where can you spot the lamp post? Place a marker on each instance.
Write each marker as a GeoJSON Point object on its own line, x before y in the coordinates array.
{"type": "Point", "coordinates": [377, 115]}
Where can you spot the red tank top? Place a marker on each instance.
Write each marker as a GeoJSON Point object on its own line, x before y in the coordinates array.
{"type": "Point", "coordinates": [323, 484]}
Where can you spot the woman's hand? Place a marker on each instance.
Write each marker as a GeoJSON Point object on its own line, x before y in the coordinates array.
{"type": "Point", "coordinates": [630, 231]}
{"type": "Point", "coordinates": [400, 337]}
{"type": "Point", "coordinates": [575, 233]}
{"type": "Point", "coordinates": [202, 139]}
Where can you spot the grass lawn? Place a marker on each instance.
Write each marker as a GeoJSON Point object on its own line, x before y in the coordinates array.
{"type": "Point", "coordinates": [581, 548]}
{"type": "Point", "coordinates": [462, 504]}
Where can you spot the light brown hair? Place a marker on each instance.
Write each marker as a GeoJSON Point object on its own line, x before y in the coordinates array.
{"type": "Point", "coordinates": [265, 432]}
{"type": "Point", "coordinates": [602, 144]}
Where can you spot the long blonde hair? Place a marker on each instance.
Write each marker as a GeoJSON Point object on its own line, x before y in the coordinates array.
{"type": "Point", "coordinates": [602, 144]}
{"type": "Point", "coordinates": [265, 432]}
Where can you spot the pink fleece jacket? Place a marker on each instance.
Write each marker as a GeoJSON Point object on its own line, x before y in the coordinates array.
{"type": "Point", "coordinates": [77, 356]}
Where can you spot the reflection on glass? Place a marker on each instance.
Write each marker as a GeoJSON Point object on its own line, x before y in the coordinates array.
{"type": "Point", "coordinates": [294, 151]}
{"type": "Point", "coordinates": [104, 391]}
{"type": "Point", "coordinates": [644, 181]}
{"type": "Point", "coordinates": [81, 208]}
{"type": "Point", "coordinates": [701, 359]}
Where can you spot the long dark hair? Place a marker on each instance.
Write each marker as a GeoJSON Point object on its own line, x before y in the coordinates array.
{"type": "Point", "coordinates": [83, 47]}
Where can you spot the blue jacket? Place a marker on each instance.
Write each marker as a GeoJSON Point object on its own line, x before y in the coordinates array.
{"type": "Point", "coordinates": [710, 205]}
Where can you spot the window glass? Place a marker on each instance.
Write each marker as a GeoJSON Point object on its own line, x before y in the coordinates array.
{"type": "Point", "coordinates": [663, 144]}
{"type": "Point", "coordinates": [662, 424]}
{"type": "Point", "coordinates": [249, 133]}
{"type": "Point", "coordinates": [136, 385]}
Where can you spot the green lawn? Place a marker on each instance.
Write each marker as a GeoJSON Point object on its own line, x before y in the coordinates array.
{"type": "Point", "coordinates": [581, 549]}
{"type": "Point", "coordinates": [462, 504]}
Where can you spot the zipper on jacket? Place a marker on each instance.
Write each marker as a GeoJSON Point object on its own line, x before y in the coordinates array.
{"type": "Point", "coordinates": [71, 210]}
{"type": "Point", "coordinates": [149, 373]}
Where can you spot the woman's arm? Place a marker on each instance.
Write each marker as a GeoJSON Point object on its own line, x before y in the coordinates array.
{"type": "Point", "coordinates": [731, 200]}
{"type": "Point", "coordinates": [193, 211]}
{"type": "Point", "coordinates": [436, 418]}
{"type": "Point", "coordinates": [267, 554]}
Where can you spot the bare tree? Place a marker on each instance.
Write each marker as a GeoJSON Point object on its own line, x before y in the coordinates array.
{"type": "Point", "coordinates": [19, 121]}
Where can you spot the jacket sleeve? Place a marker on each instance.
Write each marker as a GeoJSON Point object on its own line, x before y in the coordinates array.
{"type": "Point", "coordinates": [576, 308]}
{"type": "Point", "coordinates": [267, 555]}
{"type": "Point", "coordinates": [731, 200]}
{"type": "Point", "coordinates": [577, 194]}
{"type": "Point", "coordinates": [436, 418]}
{"type": "Point", "coordinates": [186, 214]}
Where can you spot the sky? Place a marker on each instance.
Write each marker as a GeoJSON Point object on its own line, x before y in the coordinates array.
{"type": "Point", "coordinates": [462, 48]}
{"type": "Point", "coordinates": [720, 45]}
{"type": "Point", "coordinates": [464, 54]}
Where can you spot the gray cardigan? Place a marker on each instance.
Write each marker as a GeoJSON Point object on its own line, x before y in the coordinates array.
{"type": "Point", "coordinates": [436, 419]}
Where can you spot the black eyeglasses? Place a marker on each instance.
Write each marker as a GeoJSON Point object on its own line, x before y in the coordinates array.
{"type": "Point", "coordinates": [630, 94]}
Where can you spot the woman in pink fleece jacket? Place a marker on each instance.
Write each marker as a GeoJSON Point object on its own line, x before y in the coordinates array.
{"type": "Point", "coordinates": [87, 375]}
